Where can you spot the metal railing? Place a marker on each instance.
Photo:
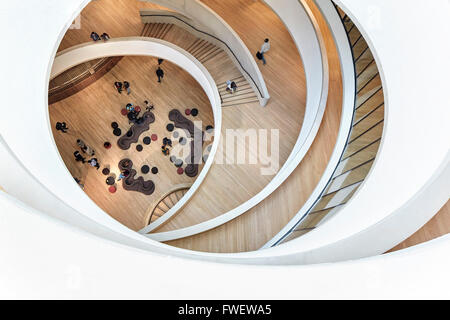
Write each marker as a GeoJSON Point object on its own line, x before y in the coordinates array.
{"type": "Point", "coordinates": [356, 159]}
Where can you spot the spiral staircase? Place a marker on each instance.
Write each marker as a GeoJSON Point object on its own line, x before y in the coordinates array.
{"type": "Point", "coordinates": [388, 174]}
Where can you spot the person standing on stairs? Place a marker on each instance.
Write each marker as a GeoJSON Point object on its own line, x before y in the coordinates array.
{"type": "Point", "coordinates": [118, 86]}
{"type": "Point", "coordinates": [231, 86]}
{"type": "Point", "coordinates": [159, 74]}
{"type": "Point", "coordinates": [264, 48]}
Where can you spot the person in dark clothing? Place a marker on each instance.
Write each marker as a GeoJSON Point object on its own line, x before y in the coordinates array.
{"type": "Point", "coordinates": [159, 74]}
{"type": "Point", "coordinates": [94, 163]}
{"type": "Point", "coordinates": [167, 142]}
{"type": "Point", "coordinates": [132, 117]}
{"type": "Point", "coordinates": [160, 61]}
{"type": "Point", "coordinates": [148, 106]}
{"type": "Point", "coordinates": [95, 36]}
{"type": "Point", "coordinates": [105, 36]}
{"type": "Point", "coordinates": [126, 85]}
{"type": "Point", "coordinates": [79, 157]}
{"type": "Point", "coordinates": [61, 126]}
{"type": "Point", "coordinates": [118, 86]}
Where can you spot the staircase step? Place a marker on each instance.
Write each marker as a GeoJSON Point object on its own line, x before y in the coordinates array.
{"type": "Point", "coordinates": [199, 48]}
{"type": "Point", "coordinates": [212, 48]}
{"type": "Point", "coordinates": [211, 55]}
{"type": "Point", "coordinates": [236, 97]}
{"type": "Point", "coordinates": [240, 102]}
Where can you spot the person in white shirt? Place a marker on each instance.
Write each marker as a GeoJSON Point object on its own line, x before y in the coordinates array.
{"type": "Point", "coordinates": [264, 48]}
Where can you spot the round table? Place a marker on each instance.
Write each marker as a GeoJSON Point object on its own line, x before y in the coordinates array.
{"type": "Point", "coordinates": [117, 132]}
{"type": "Point", "coordinates": [170, 127]}
{"type": "Point", "coordinates": [110, 181]}
{"type": "Point", "coordinates": [147, 140]}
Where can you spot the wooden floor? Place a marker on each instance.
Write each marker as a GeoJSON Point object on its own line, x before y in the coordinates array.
{"type": "Point", "coordinates": [226, 186]}
{"type": "Point", "coordinates": [118, 18]}
{"type": "Point", "coordinates": [253, 22]}
{"type": "Point", "coordinates": [233, 184]}
{"type": "Point", "coordinates": [89, 114]}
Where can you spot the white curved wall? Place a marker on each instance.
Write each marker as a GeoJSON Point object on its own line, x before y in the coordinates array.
{"type": "Point", "coordinates": [396, 199]}
{"type": "Point", "coordinates": [81, 266]}
{"type": "Point", "coordinates": [143, 46]}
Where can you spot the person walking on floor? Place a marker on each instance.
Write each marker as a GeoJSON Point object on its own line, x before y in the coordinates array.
{"type": "Point", "coordinates": [148, 106]}
{"type": "Point", "coordinates": [79, 157]}
{"type": "Point", "coordinates": [160, 61]}
{"type": "Point", "coordinates": [95, 36]}
{"type": "Point", "coordinates": [61, 126]}
{"type": "Point", "coordinates": [105, 36]}
{"type": "Point", "coordinates": [264, 48]}
{"type": "Point", "coordinates": [126, 85]}
{"type": "Point", "coordinates": [118, 86]}
{"type": "Point", "coordinates": [85, 148]}
{"type": "Point", "coordinates": [159, 74]}
{"type": "Point", "coordinates": [94, 163]}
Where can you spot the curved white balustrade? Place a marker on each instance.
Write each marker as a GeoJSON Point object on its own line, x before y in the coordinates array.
{"type": "Point", "coordinates": [42, 258]}
{"type": "Point", "coordinates": [159, 48]}
{"type": "Point", "coordinates": [407, 184]}
{"type": "Point", "coordinates": [204, 16]}
{"type": "Point", "coordinates": [304, 29]}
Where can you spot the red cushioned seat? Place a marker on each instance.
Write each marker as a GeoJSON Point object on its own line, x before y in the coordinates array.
{"type": "Point", "coordinates": [124, 112]}
{"type": "Point", "coordinates": [180, 170]}
{"type": "Point", "coordinates": [187, 111]}
{"type": "Point", "coordinates": [154, 137]}
{"type": "Point", "coordinates": [112, 189]}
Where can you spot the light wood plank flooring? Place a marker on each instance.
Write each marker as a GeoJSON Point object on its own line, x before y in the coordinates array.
{"type": "Point", "coordinates": [90, 112]}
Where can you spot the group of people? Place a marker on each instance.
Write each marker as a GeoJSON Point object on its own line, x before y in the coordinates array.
{"type": "Point", "coordinates": [165, 148]}
{"type": "Point", "coordinates": [95, 37]}
{"type": "Point", "coordinates": [120, 86]}
{"type": "Point", "coordinates": [89, 151]}
{"type": "Point", "coordinates": [93, 162]}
